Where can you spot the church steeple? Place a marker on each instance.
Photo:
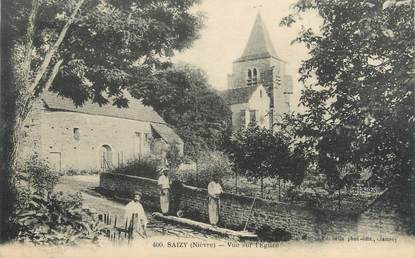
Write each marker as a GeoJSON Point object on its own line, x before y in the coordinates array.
{"type": "Point", "coordinates": [259, 44]}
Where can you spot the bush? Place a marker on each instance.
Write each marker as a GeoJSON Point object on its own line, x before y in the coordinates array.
{"type": "Point", "coordinates": [189, 177]}
{"type": "Point", "coordinates": [75, 172]}
{"type": "Point", "coordinates": [143, 167]}
{"type": "Point", "coordinates": [210, 164]}
{"type": "Point", "coordinates": [38, 174]}
{"type": "Point", "coordinates": [53, 219]}
{"type": "Point", "coordinates": [46, 217]}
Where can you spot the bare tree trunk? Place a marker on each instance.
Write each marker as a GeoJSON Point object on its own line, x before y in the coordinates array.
{"type": "Point", "coordinates": [262, 187]}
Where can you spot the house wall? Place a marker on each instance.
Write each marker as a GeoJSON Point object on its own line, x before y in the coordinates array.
{"type": "Point", "coordinates": [236, 115]}
{"type": "Point", "coordinates": [256, 102]}
{"type": "Point", "coordinates": [281, 100]}
{"type": "Point", "coordinates": [50, 135]}
{"type": "Point", "coordinates": [260, 103]}
{"type": "Point", "coordinates": [121, 135]}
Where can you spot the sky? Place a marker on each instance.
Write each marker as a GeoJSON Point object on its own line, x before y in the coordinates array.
{"type": "Point", "coordinates": [225, 34]}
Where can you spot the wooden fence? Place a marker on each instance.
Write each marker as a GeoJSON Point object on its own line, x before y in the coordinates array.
{"type": "Point", "coordinates": [116, 231]}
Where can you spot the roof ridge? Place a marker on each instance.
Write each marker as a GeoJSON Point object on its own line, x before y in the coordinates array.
{"type": "Point", "coordinates": [136, 110]}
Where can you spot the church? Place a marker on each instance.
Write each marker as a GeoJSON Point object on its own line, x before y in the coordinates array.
{"type": "Point", "coordinates": [258, 89]}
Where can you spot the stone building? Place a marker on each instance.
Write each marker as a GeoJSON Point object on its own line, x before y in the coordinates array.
{"type": "Point", "coordinates": [258, 89]}
{"type": "Point", "coordinates": [93, 136]}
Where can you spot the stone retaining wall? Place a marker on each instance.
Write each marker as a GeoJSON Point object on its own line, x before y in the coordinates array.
{"type": "Point", "coordinates": [300, 222]}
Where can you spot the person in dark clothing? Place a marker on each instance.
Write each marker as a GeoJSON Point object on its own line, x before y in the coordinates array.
{"type": "Point", "coordinates": [176, 189]}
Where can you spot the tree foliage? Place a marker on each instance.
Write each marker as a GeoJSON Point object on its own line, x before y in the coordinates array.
{"type": "Point", "coordinates": [211, 164]}
{"type": "Point", "coordinates": [258, 153]}
{"type": "Point", "coordinates": [185, 100]}
{"type": "Point", "coordinates": [358, 89]}
{"type": "Point", "coordinates": [174, 157]}
{"type": "Point", "coordinates": [109, 44]}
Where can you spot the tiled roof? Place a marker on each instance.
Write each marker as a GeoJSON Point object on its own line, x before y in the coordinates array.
{"type": "Point", "coordinates": [259, 44]}
{"type": "Point", "coordinates": [167, 133]}
{"type": "Point", "coordinates": [238, 95]}
{"type": "Point", "coordinates": [135, 111]}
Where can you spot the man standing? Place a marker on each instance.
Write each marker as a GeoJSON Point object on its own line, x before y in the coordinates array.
{"type": "Point", "coordinates": [164, 184]}
{"type": "Point", "coordinates": [134, 213]}
{"type": "Point", "coordinates": [176, 189]}
{"type": "Point", "coordinates": [214, 191]}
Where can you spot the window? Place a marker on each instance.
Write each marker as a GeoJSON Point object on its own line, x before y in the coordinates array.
{"type": "Point", "coordinates": [260, 93]}
{"type": "Point", "coordinates": [255, 76]}
{"type": "Point", "coordinates": [76, 134]}
{"type": "Point", "coordinates": [249, 80]}
{"type": "Point", "coordinates": [243, 118]}
{"type": "Point", "coordinates": [252, 117]}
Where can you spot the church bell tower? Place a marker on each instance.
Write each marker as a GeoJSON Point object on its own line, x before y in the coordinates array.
{"type": "Point", "coordinates": [260, 64]}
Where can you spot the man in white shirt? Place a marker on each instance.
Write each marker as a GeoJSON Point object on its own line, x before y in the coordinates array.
{"type": "Point", "coordinates": [134, 213]}
{"type": "Point", "coordinates": [214, 191]}
{"type": "Point", "coordinates": [164, 184]}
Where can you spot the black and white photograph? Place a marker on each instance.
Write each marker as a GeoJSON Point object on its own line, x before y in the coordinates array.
{"type": "Point", "coordinates": [207, 128]}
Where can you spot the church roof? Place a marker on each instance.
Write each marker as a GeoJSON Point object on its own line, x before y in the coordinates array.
{"type": "Point", "coordinates": [259, 44]}
{"type": "Point", "coordinates": [135, 111]}
{"type": "Point", "coordinates": [238, 95]}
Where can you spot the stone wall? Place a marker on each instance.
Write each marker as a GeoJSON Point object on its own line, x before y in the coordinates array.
{"type": "Point", "coordinates": [379, 220]}
{"type": "Point", "coordinates": [51, 133]}
{"type": "Point", "coordinates": [299, 221]}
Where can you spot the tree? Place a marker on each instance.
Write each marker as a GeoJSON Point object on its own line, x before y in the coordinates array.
{"type": "Point", "coordinates": [259, 153]}
{"type": "Point", "coordinates": [85, 50]}
{"type": "Point", "coordinates": [185, 100]}
{"type": "Point", "coordinates": [358, 89]}
{"type": "Point", "coordinates": [173, 157]}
